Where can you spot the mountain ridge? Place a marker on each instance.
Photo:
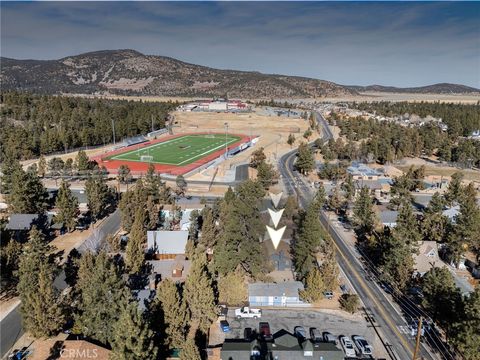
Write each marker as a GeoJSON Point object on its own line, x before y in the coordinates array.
{"type": "Point", "coordinates": [129, 72]}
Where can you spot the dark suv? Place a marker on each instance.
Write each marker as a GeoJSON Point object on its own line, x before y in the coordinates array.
{"type": "Point", "coordinates": [264, 331]}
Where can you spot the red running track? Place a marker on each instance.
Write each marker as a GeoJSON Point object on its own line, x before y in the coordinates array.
{"type": "Point", "coordinates": [139, 167]}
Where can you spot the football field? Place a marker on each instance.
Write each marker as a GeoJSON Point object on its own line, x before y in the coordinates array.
{"type": "Point", "coordinates": [182, 150]}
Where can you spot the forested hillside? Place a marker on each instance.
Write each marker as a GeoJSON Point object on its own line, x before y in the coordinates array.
{"type": "Point", "coordinates": [31, 125]}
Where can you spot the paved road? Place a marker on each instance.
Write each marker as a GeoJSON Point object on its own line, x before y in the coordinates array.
{"type": "Point", "coordinates": [10, 330]}
{"type": "Point", "coordinates": [383, 312]}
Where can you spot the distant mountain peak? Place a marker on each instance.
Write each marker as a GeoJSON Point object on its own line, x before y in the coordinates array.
{"type": "Point", "coordinates": [129, 72]}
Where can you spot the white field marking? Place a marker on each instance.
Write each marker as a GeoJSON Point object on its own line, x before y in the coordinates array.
{"type": "Point", "coordinates": [208, 151]}
{"type": "Point", "coordinates": [184, 138]}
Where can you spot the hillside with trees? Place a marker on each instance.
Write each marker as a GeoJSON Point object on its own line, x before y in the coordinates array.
{"type": "Point", "coordinates": [31, 125]}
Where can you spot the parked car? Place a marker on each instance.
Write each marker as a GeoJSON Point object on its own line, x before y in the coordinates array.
{"type": "Point", "coordinates": [315, 335]}
{"type": "Point", "coordinates": [329, 338]}
{"type": "Point", "coordinates": [328, 295]}
{"type": "Point", "coordinates": [362, 345]}
{"type": "Point", "coordinates": [264, 331]}
{"type": "Point", "coordinates": [246, 312]}
{"type": "Point", "coordinates": [225, 326]}
{"type": "Point", "coordinates": [299, 332]}
{"type": "Point", "coordinates": [347, 346]}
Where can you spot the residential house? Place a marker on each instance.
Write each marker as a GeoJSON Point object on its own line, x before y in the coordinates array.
{"type": "Point", "coordinates": [276, 294]}
{"type": "Point", "coordinates": [19, 225]}
{"type": "Point", "coordinates": [427, 258]}
{"type": "Point", "coordinates": [389, 218]}
{"type": "Point", "coordinates": [162, 245]}
{"type": "Point", "coordinates": [285, 346]}
{"type": "Point", "coordinates": [452, 213]}
{"type": "Point", "coordinates": [361, 171]}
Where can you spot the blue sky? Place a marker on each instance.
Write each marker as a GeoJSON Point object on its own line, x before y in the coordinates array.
{"type": "Point", "coordinates": [388, 43]}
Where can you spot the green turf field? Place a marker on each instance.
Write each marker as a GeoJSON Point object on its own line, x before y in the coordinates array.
{"type": "Point", "coordinates": [182, 150]}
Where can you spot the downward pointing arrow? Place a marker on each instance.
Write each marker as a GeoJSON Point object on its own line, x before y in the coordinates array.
{"type": "Point", "coordinates": [275, 235]}
{"type": "Point", "coordinates": [275, 216]}
{"type": "Point", "coordinates": [276, 198]}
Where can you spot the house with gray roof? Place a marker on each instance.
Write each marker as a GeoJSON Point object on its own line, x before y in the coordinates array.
{"type": "Point", "coordinates": [174, 269]}
{"type": "Point", "coordinates": [20, 224]}
{"type": "Point", "coordinates": [163, 244]}
{"type": "Point", "coordinates": [284, 346]}
{"type": "Point", "coordinates": [276, 294]}
{"type": "Point", "coordinates": [389, 218]}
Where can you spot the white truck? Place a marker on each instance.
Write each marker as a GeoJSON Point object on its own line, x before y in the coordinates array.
{"type": "Point", "coordinates": [246, 312]}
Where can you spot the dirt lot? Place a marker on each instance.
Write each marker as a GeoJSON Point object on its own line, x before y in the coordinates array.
{"type": "Point", "coordinates": [273, 132]}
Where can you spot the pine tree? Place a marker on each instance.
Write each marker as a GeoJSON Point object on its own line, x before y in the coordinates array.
{"type": "Point", "coordinates": [441, 296]}
{"type": "Point", "coordinates": [40, 308]}
{"type": "Point", "coordinates": [349, 187]}
{"type": "Point", "coordinates": [190, 351]}
{"type": "Point", "coordinates": [307, 242]}
{"type": "Point", "coordinates": [305, 161]}
{"type": "Point", "coordinates": [258, 156]}
{"type": "Point", "coordinates": [454, 190]}
{"type": "Point", "coordinates": [329, 270]}
{"type": "Point", "coordinates": [232, 288]}
{"type": "Point", "coordinates": [199, 294]}
{"type": "Point", "coordinates": [27, 194]}
{"type": "Point", "coordinates": [363, 214]}
{"type": "Point", "coordinates": [153, 214]}
{"type": "Point", "coordinates": [468, 220]}
{"type": "Point", "coordinates": [466, 330]}
{"type": "Point", "coordinates": [10, 166]}
{"type": "Point", "coordinates": [266, 175]}
{"type": "Point", "coordinates": [407, 229]}
{"type": "Point", "coordinates": [396, 259]}
{"type": "Point", "coordinates": [42, 166]}
{"type": "Point", "coordinates": [67, 206]}
{"type": "Point", "coordinates": [181, 184]}
{"type": "Point", "coordinates": [175, 316]}
{"type": "Point", "coordinates": [135, 251]}
{"type": "Point", "coordinates": [99, 196]}
{"type": "Point", "coordinates": [314, 286]}
{"type": "Point", "coordinates": [124, 176]}
{"type": "Point", "coordinates": [291, 139]}
{"type": "Point", "coordinates": [208, 237]}
{"type": "Point", "coordinates": [335, 201]}
{"type": "Point", "coordinates": [434, 222]}
{"type": "Point", "coordinates": [82, 162]}
{"type": "Point", "coordinates": [132, 338]}
{"type": "Point", "coordinates": [102, 296]}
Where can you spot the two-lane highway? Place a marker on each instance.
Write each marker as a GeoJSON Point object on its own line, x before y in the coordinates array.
{"type": "Point", "coordinates": [384, 315]}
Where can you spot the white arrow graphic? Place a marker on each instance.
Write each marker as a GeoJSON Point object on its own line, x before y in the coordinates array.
{"type": "Point", "coordinates": [275, 216]}
{"type": "Point", "coordinates": [275, 235]}
{"type": "Point", "coordinates": [276, 198]}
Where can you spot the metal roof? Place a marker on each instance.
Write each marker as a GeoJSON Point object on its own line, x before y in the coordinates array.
{"type": "Point", "coordinates": [167, 242]}
{"type": "Point", "coordinates": [288, 288]}
{"type": "Point", "coordinates": [21, 221]}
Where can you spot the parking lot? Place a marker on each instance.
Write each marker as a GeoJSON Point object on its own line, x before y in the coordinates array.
{"type": "Point", "coordinates": [336, 322]}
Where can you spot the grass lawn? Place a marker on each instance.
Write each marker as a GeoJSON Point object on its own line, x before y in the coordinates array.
{"type": "Point", "coordinates": [179, 151]}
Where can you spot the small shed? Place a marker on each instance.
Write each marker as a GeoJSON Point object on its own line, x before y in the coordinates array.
{"type": "Point", "coordinates": [276, 294]}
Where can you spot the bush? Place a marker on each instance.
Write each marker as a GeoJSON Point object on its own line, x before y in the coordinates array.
{"type": "Point", "coordinates": [349, 302]}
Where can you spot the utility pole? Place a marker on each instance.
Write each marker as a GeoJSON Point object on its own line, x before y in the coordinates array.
{"type": "Point", "coordinates": [226, 132]}
{"type": "Point", "coordinates": [152, 124]}
{"type": "Point", "coordinates": [113, 131]}
{"type": "Point", "coordinates": [419, 334]}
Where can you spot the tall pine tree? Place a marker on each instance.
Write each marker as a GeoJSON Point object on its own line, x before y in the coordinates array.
{"type": "Point", "coordinates": [132, 337]}
{"type": "Point", "coordinates": [135, 252]}
{"type": "Point", "coordinates": [67, 206]}
{"type": "Point", "coordinates": [40, 306]}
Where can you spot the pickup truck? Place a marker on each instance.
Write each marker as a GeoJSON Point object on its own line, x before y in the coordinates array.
{"type": "Point", "coordinates": [246, 312]}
